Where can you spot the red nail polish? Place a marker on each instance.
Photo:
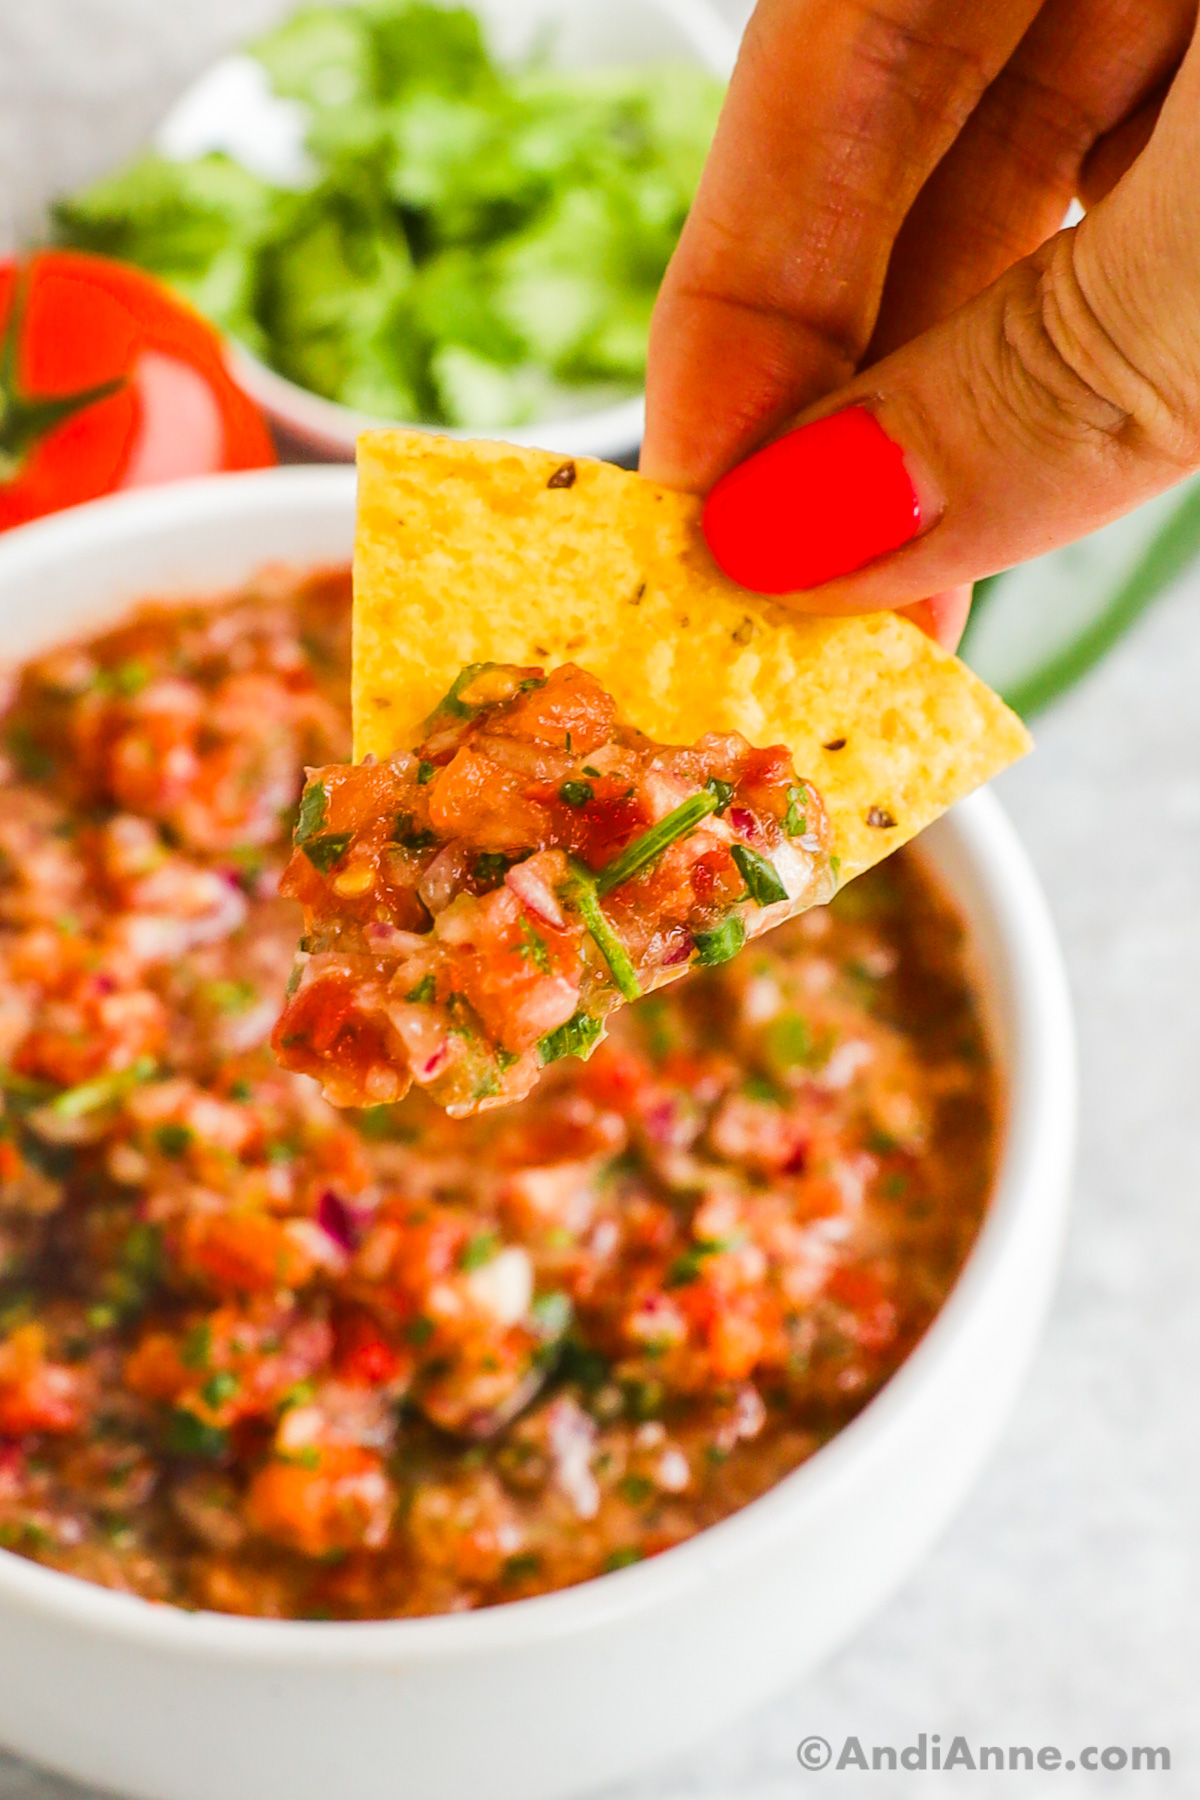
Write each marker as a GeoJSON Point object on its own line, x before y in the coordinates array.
{"type": "Point", "coordinates": [822, 501]}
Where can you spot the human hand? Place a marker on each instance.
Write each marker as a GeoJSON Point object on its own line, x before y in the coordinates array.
{"type": "Point", "coordinates": [881, 196]}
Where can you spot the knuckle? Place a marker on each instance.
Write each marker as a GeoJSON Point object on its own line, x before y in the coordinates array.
{"type": "Point", "coordinates": [935, 70]}
{"type": "Point", "coordinates": [1074, 364]}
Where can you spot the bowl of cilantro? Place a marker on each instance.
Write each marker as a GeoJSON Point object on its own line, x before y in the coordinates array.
{"type": "Point", "coordinates": [398, 211]}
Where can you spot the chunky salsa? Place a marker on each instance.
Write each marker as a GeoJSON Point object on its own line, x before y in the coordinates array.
{"type": "Point", "coordinates": [265, 1357]}
{"type": "Point", "coordinates": [475, 909]}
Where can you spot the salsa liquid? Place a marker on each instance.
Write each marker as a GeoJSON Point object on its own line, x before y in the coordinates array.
{"type": "Point", "coordinates": [267, 1358]}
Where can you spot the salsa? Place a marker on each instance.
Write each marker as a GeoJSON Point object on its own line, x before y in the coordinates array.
{"type": "Point", "coordinates": [265, 1357]}
{"type": "Point", "coordinates": [476, 908]}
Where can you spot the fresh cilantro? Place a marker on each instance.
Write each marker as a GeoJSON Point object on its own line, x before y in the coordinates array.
{"type": "Point", "coordinates": [172, 1138]}
{"type": "Point", "coordinates": [410, 838]}
{"type": "Point", "coordinates": [192, 1437]}
{"type": "Point", "coordinates": [759, 875]}
{"type": "Point", "coordinates": [621, 1559]}
{"type": "Point", "coordinates": [478, 1250]}
{"type": "Point", "coordinates": [796, 821]}
{"type": "Point", "coordinates": [196, 1348]}
{"type": "Point", "coordinates": [576, 793]}
{"type": "Point", "coordinates": [722, 942]}
{"type": "Point", "coordinates": [313, 807]}
{"type": "Point", "coordinates": [533, 948]}
{"type": "Point", "coordinates": [649, 847]}
{"type": "Point", "coordinates": [424, 992]}
{"type": "Point", "coordinates": [323, 852]}
{"type": "Point", "coordinates": [490, 867]}
{"type": "Point", "coordinates": [578, 1037]}
{"type": "Point", "coordinates": [219, 1388]}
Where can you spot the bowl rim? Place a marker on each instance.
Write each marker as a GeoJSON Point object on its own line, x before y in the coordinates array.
{"type": "Point", "coordinates": [1036, 1156]}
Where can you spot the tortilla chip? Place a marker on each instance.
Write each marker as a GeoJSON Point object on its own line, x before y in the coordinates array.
{"type": "Point", "coordinates": [479, 552]}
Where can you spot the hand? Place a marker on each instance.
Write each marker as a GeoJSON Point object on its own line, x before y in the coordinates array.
{"type": "Point", "coordinates": [881, 196]}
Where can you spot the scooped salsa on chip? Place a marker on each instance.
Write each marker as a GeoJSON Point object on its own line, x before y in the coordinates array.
{"type": "Point", "coordinates": [476, 908]}
{"type": "Point", "coordinates": [633, 767]}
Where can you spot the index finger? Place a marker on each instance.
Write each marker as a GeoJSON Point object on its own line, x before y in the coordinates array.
{"type": "Point", "coordinates": [837, 112]}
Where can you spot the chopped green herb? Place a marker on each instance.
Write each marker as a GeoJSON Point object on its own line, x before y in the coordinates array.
{"type": "Point", "coordinates": [647, 848]}
{"type": "Point", "coordinates": [190, 1436]}
{"type": "Point", "coordinates": [690, 1266]}
{"type": "Point", "coordinates": [637, 1489]}
{"type": "Point", "coordinates": [722, 942]}
{"type": "Point", "coordinates": [596, 774]}
{"type": "Point", "coordinates": [505, 1058]}
{"type": "Point", "coordinates": [576, 1038]}
{"type": "Point", "coordinates": [576, 793]}
{"type": "Point", "coordinates": [521, 1567]}
{"type": "Point", "coordinates": [127, 679]}
{"type": "Point", "coordinates": [764, 1090]}
{"type": "Point", "coordinates": [425, 773]}
{"type": "Point", "coordinates": [33, 760]}
{"type": "Point", "coordinates": [759, 875]}
{"type": "Point", "coordinates": [230, 996]}
{"type": "Point", "coordinates": [323, 852]}
{"type": "Point", "coordinates": [724, 792]}
{"type": "Point", "coordinates": [172, 1138]}
{"type": "Point", "coordinates": [105, 1090]}
{"type": "Point", "coordinates": [552, 1313]}
{"type": "Point", "coordinates": [584, 894]}
{"type": "Point", "coordinates": [461, 709]}
{"type": "Point", "coordinates": [621, 1559]}
{"type": "Point", "coordinates": [313, 806]}
{"type": "Point", "coordinates": [424, 992]}
{"type": "Point", "coordinates": [796, 821]}
{"type": "Point", "coordinates": [478, 1250]}
{"type": "Point", "coordinates": [789, 1042]}
{"type": "Point", "coordinates": [196, 1348]}
{"type": "Point", "coordinates": [491, 866]}
{"type": "Point", "coordinates": [219, 1388]}
{"type": "Point", "coordinates": [411, 839]}
{"type": "Point", "coordinates": [533, 948]}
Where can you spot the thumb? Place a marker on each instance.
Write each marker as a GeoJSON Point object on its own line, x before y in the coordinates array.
{"type": "Point", "coordinates": [1057, 400]}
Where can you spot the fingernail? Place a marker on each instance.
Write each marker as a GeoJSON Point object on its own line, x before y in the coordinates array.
{"type": "Point", "coordinates": [821, 502]}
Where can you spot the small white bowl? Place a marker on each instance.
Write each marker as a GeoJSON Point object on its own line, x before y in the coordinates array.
{"type": "Point", "coordinates": [550, 1696]}
{"type": "Point", "coordinates": [231, 108]}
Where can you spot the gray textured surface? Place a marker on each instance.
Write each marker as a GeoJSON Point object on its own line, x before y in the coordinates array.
{"type": "Point", "coordinates": [1063, 1606]}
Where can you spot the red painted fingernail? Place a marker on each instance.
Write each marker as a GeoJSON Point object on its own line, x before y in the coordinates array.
{"type": "Point", "coordinates": [821, 502]}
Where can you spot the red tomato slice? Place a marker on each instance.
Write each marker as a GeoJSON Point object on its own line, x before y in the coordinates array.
{"type": "Point", "coordinates": [71, 324]}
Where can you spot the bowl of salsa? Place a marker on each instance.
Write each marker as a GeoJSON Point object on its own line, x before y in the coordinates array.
{"type": "Point", "coordinates": [496, 1454]}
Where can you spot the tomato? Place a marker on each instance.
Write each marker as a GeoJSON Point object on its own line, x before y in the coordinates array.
{"type": "Point", "coordinates": [108, 381]}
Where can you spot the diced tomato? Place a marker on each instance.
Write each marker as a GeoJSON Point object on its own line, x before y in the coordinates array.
{"type": "Point", "coordinates": [571, 711]}
{"type": "Point", "coordinates": [475, 798]}
{"type": "Point", "coordinates": [155, 1369]}
{"type": "Point", "coordinates": [364, 1354]}
{"type": "Point", "coordinates": [331, 1497]}
{"type": "Point", "coordinates": [35, 1394]}
{"type": "Point", "coordinates": [244, 1252]}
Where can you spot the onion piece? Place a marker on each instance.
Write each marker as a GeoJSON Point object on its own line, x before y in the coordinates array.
{"type": "Point", "coordinates": [527, 881]}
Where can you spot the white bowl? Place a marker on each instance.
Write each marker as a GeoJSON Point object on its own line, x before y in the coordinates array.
{"type": "Point", "coordinates": [550, 1696]}
{"type": "Point", "coordinates": [231, 108]}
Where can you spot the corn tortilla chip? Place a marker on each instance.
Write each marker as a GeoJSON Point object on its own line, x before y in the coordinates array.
{"type": "Point", "coordinates": [479, 552]}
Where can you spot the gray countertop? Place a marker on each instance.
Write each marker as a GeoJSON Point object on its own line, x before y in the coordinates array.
{"type": "Point", "coordinates": [1063, 1605]}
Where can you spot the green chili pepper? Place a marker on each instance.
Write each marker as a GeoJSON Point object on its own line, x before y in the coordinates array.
{"type": "Point", "coordinates": [652, 843]}
{"type": "Point", "coordinates": [584, 893]}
